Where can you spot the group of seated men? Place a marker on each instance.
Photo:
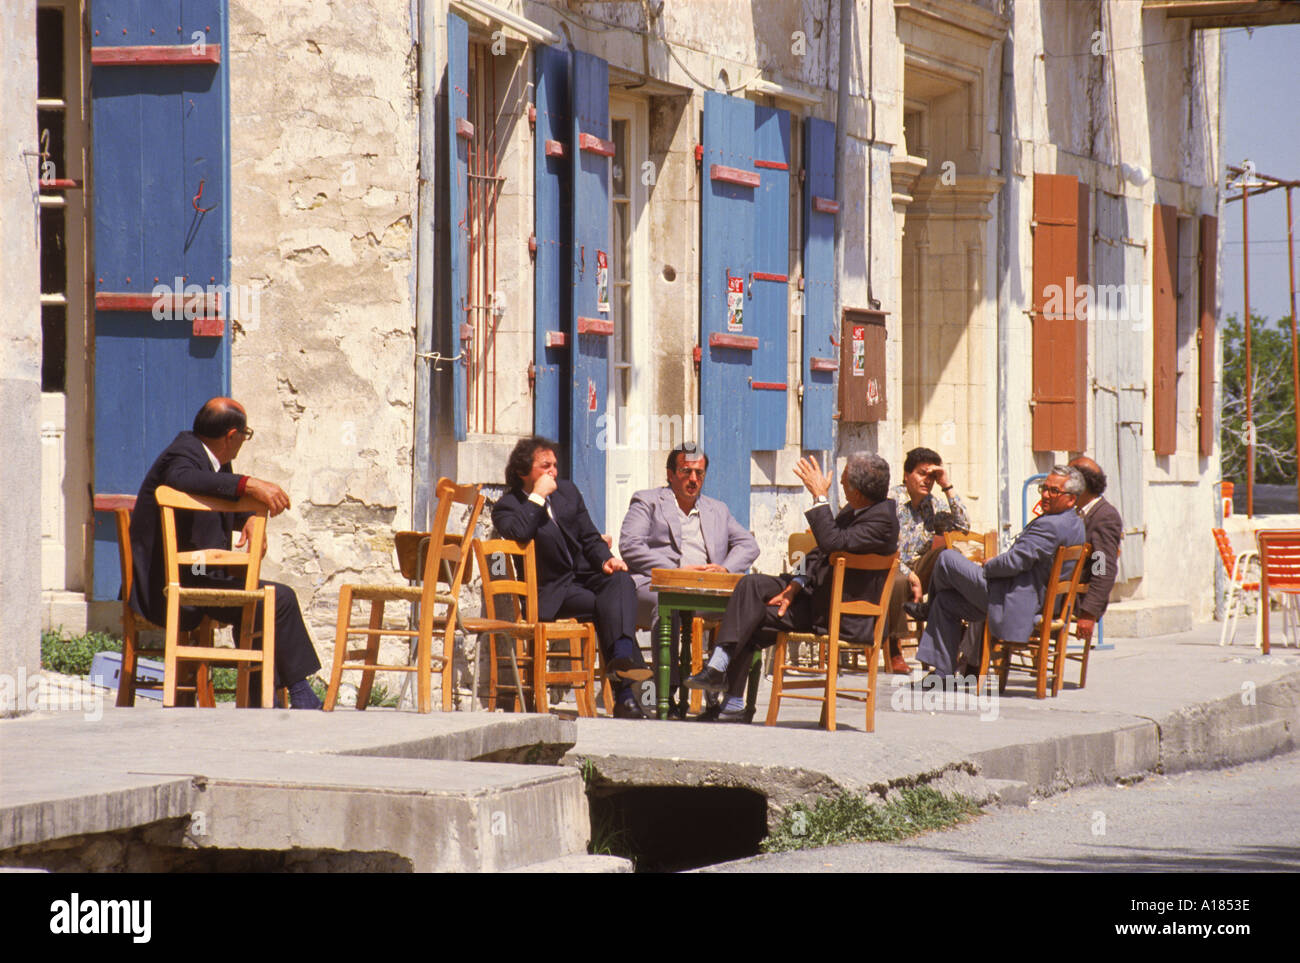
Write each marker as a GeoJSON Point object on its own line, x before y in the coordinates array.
{"type": "Point", "coordinates": [677, 526]}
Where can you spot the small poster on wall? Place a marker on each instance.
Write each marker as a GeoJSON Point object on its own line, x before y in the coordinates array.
{"type": "Point", "coordinates": [602, 282]}
{"type": "Point", "coordinates": [735, 304]}
{"type": "Point", "coordinates": [859, 351]}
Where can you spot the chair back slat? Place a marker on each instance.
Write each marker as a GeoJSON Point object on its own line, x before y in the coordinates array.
{"type": "Point", "coordinates": [523, 594]}
{"type": "Point", "coordinates": [1064, 588]}
{"type": "Point", "coordinates": [170, 501]}
{"type": "Point", "coordinates": [841, 562]}
{"type": "Point", "coordinates": [798, 545]}
{"type": "Point", "coordinates": [1279, 558]}
{"type": "Point", "coordinates": [971, 544]}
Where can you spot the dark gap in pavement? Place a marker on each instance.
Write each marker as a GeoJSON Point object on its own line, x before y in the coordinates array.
{"type": "Point", "coordinates": [665, 829]}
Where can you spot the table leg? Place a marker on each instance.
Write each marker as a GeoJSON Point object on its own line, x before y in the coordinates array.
{"type": "Point", "coordinates": [663, 660]}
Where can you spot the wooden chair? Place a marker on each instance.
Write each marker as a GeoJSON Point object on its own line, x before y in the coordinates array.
{"type": "Point", "coordinates": [1237, 565]}
{"type": "Point", "coordinates": [132, 624]}
{"type": "Point", "coordinates": [1053, 623]}
{"type": "Point", "coordinates": [976, 546]}
{"type": "Point", "coordinates": [826, 675]}
{"type": "Point", "coordinates": [1279, 571]}
{"type": "Point", "coordinates": [442, 560]}
{"type": "Point", "coordinates": [246, 658]}
{"type": "Point", "coordinates": [529, 641]}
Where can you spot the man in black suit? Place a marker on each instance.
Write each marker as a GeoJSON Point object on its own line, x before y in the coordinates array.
{"type": "Point", "coordinates": [763, 605]}
{"type": "Point", "coordinates": [578, 576]}
{"type": "Point", "coordinates": [1105, 531]}
{"type": "Point", "coordinates": [198, 463]}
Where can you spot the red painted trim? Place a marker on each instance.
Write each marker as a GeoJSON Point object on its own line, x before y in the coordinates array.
{"type": "Point", "coordinates": [464, 128]}
{"type": "Point", "coordinates": [595, 326]}
{"type": "Point", "coordinates": [772, 165]}
{"type": "Point", "coordinates": [111, 503]}
{"type": "Point", "coordinates": [825, 205]}
{"type": "Point", "coordinates": [553, 148]}
{"type": "Point", "coordinates": [532, 113]}
{"type": "Point", "coordinates": [697, 354]}
{"type": "Point", "coordinates": [733, 175]}
{"type": "Point", "coordinates": [595, 145]}
{"type": "Point", "coordinates": [209, 327]}
{"type": "Point", "coordinates": [768, 385]}
{"type": "Point", "coordinates": [764, 276]}
{"type": "Point", "coordinates": [699, 153]}
{"type": "Point", "coordinates": [742, 341]}
{"type": "Point", "coordinates": [61, 184]}
{"type": "Point", "coordinates": [176, 304]}
{"type": "Point", "coordinates": [824, 364]}
{"type": "Point", "coordinates": [169, 55]}
{"type": "Point", "coordinates": [556, 339]}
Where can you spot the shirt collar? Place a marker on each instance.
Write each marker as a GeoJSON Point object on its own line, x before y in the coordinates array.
{"type": "Point", "coordinates": [216, 465]}
{"type": "Point", "coordinates": [1083, 512]}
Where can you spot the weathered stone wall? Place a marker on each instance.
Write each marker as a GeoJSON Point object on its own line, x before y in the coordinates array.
{"type": "Point", "coordinates": [20, 346]}
{"type": "Point", "coordinates": [323, 154]}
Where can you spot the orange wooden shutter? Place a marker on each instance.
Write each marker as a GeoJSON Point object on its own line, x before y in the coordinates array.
{"type": "Point", "coordinates": [1060, 355]}
{"type": "Point", "coordinates": [1164, 272]}
{"type": "Point", "coordinates": [1208, 266]}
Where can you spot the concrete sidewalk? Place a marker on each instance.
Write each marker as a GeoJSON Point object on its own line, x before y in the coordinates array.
{"type": "Point", "coordinates": [479, 791]}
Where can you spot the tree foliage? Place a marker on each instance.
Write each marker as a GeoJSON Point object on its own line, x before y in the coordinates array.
{"type": "Point", "coordinates": [1273, 401]}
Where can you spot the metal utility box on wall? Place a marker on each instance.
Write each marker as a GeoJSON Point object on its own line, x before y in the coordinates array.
{"type": "Point", "coordinates": [862, 365]}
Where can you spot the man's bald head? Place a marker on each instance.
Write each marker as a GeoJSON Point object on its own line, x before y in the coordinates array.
{"type": "Point", "coordinates": [218, 416]}
{"type": "Point", "coordinates": [1094, 479]}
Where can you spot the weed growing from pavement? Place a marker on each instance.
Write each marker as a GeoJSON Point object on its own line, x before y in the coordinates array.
{"type": "Point", "coordinates": [72, 655]}
{"type": "Point", "coordinates": [860, 819]}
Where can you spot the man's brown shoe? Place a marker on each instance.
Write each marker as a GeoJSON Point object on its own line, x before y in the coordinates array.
{"type": "Point", "coordinates": [897, 664]}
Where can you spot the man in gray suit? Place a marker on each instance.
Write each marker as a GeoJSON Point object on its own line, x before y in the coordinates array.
{"type": "Point", "coordinates": [1010, 587]}
{"type": "Point", "coordinates": [678, 527]}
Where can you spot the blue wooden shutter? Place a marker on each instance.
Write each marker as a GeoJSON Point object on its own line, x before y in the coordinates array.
{"type": "Point", "coordinates": [160, 98]}
{"type": "Point", "coordinates": [770, 284]}
{"type": "Point", "coordinates": [820, 353]}
{"type": "Point", "coordinates": [459, 133]}
{"type": "Point", "coordinates": [553, 192]}
{"type": "Point", "coordinates": [592, 328]}
{"type": "Point", "coordinates": [729, 182]}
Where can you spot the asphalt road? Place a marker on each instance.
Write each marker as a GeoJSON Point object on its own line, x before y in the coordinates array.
{"type": "Point", "coordinates": [1229, 820]}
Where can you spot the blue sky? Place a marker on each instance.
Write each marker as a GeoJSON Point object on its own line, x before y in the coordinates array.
{"type": "Point", "coordinates": [1261, 121]}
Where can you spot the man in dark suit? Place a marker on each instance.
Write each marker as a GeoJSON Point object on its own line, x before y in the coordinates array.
{"type": "Point", "coordinates": [578, 576]}
{"type": "Point", "coordinates": [1105, 531]}
{"type": "Point", "coordinates": [763, 605]}
{"type": "Point", "coordinates": [1009, 588]}
{"type": "Point", "coordinates": [198, 463]}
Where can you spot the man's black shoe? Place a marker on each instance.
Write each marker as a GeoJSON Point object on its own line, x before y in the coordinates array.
{"type": "Point", "coordinates": [628, 710]}
{"type": "Point", "coordinates": [301, 696]}
{"type": "Point", "coordinates": [734, 715]}
{"type": "Point", "coordinates": [920, 611]}
{"type": "Point", "coordinates": [625, 667]}
{"type": "Point", "coordinates": [708, 679]}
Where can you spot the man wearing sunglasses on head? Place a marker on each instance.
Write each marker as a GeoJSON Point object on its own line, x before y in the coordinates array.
{"type": "Point", "coordinates": [1008, 589]}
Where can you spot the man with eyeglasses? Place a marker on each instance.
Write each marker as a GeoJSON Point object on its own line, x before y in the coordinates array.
{"type": "Point", "coordinates": [1008, 589]}
{"type": "Point", "coordinates": [198, 463]}
{"type": "Point", "coordinates": [679, 527]}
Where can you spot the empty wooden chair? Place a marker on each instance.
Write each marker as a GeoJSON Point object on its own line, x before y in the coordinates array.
{"type": "Point", "coordinates": [1279, 571]}
{"type": "Point", "coordinates": [1053, 624]}
{"type": "Point", "coordinates": [246, 658]}
{"type": "Point", "coordinates": [133, 623]}
{"type": "Point", "coordinates": [825, 676]}
{"type": "Point", "coordinates": [528, 644]}
{"type": "Point", "coordinates": [1237, 565]}
{"type": "Point", "coordinates": [444, 568]}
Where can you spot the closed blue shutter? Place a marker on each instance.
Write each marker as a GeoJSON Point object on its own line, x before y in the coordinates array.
{"type": "Point", "coordinates": [458, 134]}
{"type": "Point", "coordinates": [592, 328]}
{"type": "Point", "coordinates": [161, 120]}
{"type": "Point", "coordinates": [770, 286]}
{"type": "Point", "coordinates": [727, 212]}
{"type": "Point", "coordinates": [820, 352]}
{"type": "Point", "coordinates": [553, 191]}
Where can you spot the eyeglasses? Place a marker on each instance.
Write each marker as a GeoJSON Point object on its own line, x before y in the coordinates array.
{"type": "Point", "coordinates": [697, 472]}
{"type": "Point", "coordinates": [247, 433]}
{"type": "Point", "coordinates": [1049, 490]}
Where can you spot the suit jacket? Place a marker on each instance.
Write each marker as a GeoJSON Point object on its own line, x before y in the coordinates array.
{"type": "Point", "coordinates": [568, 550]}
{"type": "Point", "coordinates": [1017, 579]}
{"type": "Point", "coordinates": [185, 466]}
{"type": "Point", "coordinates": [1105, 531]}
{"type": "Point", "coordinates": [651, 536]}
{"type": "Point", "coordinates": [874, 531]}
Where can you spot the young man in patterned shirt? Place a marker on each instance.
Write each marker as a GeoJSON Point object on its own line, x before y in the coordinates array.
{"type": "Point", "coordinates": [922, 519]}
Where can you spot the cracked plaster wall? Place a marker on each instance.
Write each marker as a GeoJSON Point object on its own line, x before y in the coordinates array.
{"type": "Point", "coordinates": [324, 146]}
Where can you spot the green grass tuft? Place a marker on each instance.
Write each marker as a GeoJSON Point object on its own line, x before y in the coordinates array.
{"type": "Point", "coordinates": [853, 819]}
{"type": "Point", "coordinates": [72, 655]}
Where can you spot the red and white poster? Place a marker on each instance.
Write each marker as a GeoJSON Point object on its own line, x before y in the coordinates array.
{"type": "Point", "coordinates": [859, 351]}
{"type": "Point", "coordinates": [735, 304]}
{"type": "Point", "coordinates": [602, 282]}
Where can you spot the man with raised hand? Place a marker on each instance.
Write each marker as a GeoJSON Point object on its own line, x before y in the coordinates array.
{"type": "Point", "coordinates": [198, 463]}
{"type": "Point", "coordinates": [577, 575]}
{"type": "Point", "coordinates": [1008, 589]}
{"type": "Point", "coordinates": [763, 605]}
